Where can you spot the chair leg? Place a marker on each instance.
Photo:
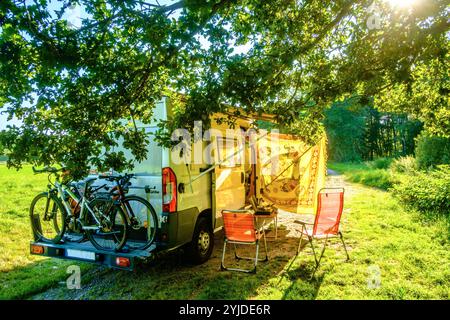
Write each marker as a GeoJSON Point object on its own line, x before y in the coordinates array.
{"type": "Point", "coordinates": [276, 227]}
{"type": "Point", "coordinates": [313, 249]}
{"type": "Point", "coordinates": [299, 245]}
{"type": "Point", "coordinates": [320, 258]}
{"type": "Point", "coordinates": [265, 247]}
{"type": "Point", "coordinates": [256, 257]}
{"type": "Point", "coordinates": [323, 250]}
{"type": "Point", "coordinates": [300, 241]}
{"type": "Point", "coordinates": [222, 266]}
{"type": "Point", "coordinates": [238, 257]}
{"type": "Point", "coordinates": [235, 252]}
{"type": "Point", "coordinates": [343, 243]}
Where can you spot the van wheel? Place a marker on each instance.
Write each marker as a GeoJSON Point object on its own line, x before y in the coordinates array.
{"type": "Point", "coordinates": [201, 247]}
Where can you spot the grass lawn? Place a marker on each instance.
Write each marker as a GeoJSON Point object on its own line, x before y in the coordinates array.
{"type": "Point", "coordinates": [395, 254]}
{"type": "Point", "coordinates": [364, 174]}
{"type": "Point", "coordinates": [22, 274]}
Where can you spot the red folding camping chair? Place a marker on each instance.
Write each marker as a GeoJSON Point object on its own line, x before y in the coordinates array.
{"type": "Point", "coordinates": [239, 228]}
{"type": "Point", "coordinates": [326, 223]}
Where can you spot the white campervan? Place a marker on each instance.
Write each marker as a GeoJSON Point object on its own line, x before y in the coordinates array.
{"type": "Point", "coordinates": [188, 196]}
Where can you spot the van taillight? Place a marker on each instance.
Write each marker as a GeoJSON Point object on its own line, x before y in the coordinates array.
{"type": "Point", "coordinates": [37, 249]}
{"type": "Point", "coordinates": [169, 190]}
{"type": "Point", "coordinates": [123, 262]}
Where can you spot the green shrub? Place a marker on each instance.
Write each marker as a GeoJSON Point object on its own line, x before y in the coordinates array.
{"type": "Point", "coordinates": [365, 173]}
{"type": "Point", "coordinates": [380, 163]}
{"type": "Point", "coordinates": [406, 164]}
{"type": "Point", "coordinates": [432, 151]}
{"type": "Point", "coordinates": [378, 178]}
{"type": "Point", "coordinates": [426, 191]}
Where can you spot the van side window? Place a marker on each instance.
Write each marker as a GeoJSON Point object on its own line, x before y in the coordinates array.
{"type": "Point", "coordinates": [230, 152]}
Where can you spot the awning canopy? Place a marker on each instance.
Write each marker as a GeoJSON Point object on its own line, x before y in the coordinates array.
{"type": "Point", "coordinates": [291, 172]}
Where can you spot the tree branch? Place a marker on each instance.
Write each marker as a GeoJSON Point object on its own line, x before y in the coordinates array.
{"type": "Point", "coordinates": [174, 6]}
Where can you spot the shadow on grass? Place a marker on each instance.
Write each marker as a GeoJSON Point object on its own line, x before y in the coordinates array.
{"type": "Point", "coordinates": [178, 279]}
{"type": "Point", "coordinates": [208, 282]}
{"type": "Point", "coordinates": [302, 283]}
{"type": "Point", "coordinates": [303, 278]}
{"type": "Point", "coordinates": [170, 277]}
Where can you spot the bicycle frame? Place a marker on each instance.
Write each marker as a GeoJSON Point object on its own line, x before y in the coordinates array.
{"type": "Point", "coordinates": [84, 207]}
{"type": "Point", "coordinates": [121, 197]}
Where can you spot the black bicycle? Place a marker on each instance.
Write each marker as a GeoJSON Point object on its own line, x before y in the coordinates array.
{"type": "Point", "coordinates": [142, 218]}
{"type": "Point", "coordinates": [66, 209]}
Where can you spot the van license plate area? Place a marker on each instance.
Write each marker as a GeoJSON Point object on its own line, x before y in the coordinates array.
{"type": "Point", "coordinates": [85, 255]}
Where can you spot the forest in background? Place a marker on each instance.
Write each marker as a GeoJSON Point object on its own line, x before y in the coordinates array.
{"type": "Point", "coordinates": [363, 133]}
{"type": "Point", "coordinates": [357, 133]}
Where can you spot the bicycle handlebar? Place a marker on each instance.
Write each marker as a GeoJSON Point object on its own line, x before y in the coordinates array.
{"type": "Point", "coordinates": [125, 177]}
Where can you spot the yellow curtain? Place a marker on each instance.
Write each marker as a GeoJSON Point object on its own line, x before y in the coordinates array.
{"type": "Point", "coordinates": [291, 173]}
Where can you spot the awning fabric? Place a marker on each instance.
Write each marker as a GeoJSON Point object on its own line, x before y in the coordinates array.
{"type": "Point", "coordinates": [291, 172]}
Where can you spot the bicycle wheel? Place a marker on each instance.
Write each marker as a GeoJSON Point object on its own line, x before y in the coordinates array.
{"type": "Point", "coordinates": [111, 233]}
{"type": "Point", "coordinates": [144, 222]}
{"type": "Point", "coordinates": [48, 217]}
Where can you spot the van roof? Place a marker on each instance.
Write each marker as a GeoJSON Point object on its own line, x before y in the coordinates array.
{"type": "Point", "coordinates": [242, 114]}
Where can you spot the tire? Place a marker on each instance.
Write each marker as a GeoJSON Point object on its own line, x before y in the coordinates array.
{"type": "Point", "coordinates": [202, 245]}
{"type": "Point", "coordinates": [47, 228]}
{"type": "Point", "coordinates": [146, 225]}
{"type": "Point", "coordinates": [103, 239]}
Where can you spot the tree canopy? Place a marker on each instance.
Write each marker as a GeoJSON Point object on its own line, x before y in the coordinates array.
{"type": "Point", "coordinates": [71, 86]}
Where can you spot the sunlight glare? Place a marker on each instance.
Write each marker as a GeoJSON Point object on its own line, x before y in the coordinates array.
{"type": "Point", "coordinates": [401, 3]}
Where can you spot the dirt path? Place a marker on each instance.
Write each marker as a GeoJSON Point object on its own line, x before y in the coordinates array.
{"type": "Point", "coordinates": [104, 283]}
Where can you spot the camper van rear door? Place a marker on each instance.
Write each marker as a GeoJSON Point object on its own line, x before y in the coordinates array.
{"type": "Point", "coordinates": [230, 187]}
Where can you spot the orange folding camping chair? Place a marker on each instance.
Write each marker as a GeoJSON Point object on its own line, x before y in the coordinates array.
{"type": "Point", "coordinates": [239, 228]}
{"type": "Point", "coordinates": [326, 224]}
